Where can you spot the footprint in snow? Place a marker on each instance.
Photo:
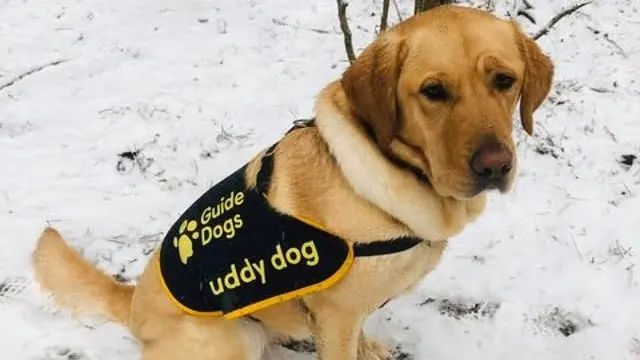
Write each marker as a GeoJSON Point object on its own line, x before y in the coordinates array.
{"type": "Point", "coordinates": [563, 322]}
{"type": "Point", "coordinates": [11, 288]}
{"type": "Point", "coordinates": [463, 308]}
{"type": "Point", "coordinates": [306, 346]}
{"type": "Point", "coordinates": [64, 353]}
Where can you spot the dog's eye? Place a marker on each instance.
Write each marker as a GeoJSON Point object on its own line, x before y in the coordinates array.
{"type": "Point", "coordinates": [435, 92]}
{"type": "Point", "coordinates": [503, 81]}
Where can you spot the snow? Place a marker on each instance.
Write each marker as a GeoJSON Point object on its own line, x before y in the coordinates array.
{"type": "Point", "coordinates": [194, 89]}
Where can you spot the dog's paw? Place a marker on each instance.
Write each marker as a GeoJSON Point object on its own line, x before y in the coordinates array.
{"type": "Point", "coordinates": [370, 349]}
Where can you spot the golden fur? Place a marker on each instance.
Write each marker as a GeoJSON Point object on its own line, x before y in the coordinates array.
{"type": "Point", "coordinates": [340, 176]}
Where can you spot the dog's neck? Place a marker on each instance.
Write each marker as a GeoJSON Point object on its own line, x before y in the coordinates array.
{"type": "Point", "coordinates": [394, 190]}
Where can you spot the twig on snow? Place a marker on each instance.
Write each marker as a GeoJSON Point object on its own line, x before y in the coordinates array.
{"type": "Point", "coordinates": [281, 22]}
{"type": "Point", "coordinates": [575, 244]}
{"type": "Point", "coordinates": [344, 26]}
{"type": "Point", "coordinates": [30, 72]}
{"type": "Point", "coordinates": [385, 16]}
{"type": "Point", "coordinates": [610, 133]}
{"type": "Point", "coordinates": [609, 40]}
{"type": "Point", "coordinates": [615, 44]}
{"type": "Point", "coordinates": [599, 89]}
{"type": "Point", "coordinates": [554, 20]}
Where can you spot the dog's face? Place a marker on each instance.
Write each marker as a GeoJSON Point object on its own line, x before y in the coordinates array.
{"type": "Point", "coordinates": [439, 91]}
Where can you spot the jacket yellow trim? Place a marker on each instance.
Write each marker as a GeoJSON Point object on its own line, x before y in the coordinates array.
{"type": "Point", "coordinates": [267, 302]}
{"type": "Point", "coordinates": [272, 300]}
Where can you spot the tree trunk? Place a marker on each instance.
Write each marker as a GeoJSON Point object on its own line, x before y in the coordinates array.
{"type": "Point", "coordinates": [424, 5]}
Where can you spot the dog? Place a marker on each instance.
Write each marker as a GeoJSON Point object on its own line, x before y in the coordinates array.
{"type": "Point", "coordinates": [405, 145]}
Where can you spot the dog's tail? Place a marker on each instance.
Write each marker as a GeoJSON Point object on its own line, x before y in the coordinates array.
{"type": "Point", "coordinates": [76, 284]}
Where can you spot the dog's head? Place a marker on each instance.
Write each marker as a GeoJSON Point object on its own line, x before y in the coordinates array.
{"type": "Point", "coordinates": [439, 90]}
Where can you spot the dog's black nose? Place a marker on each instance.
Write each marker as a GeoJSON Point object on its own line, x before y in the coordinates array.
{"type": "Point", "coordinates": [491, 162]}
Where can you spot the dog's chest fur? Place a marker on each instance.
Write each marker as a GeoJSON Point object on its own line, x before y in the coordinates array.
{"type": "Point", "coordinates": [307, 182]}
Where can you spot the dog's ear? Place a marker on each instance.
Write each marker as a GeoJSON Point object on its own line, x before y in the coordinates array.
{"type": "Point", "coordinates": [538, 78]}
{"type": "Point", "coordinates": [370, 86]}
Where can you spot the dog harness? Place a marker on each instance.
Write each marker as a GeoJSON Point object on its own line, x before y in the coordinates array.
{"type": "Point", "coordinates": [231, 253]}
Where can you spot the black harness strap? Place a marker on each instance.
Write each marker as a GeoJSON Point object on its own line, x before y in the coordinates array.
{"type": "Point", "coordinates": [263, 179]}
{"type": "Point", "coordinates": [266, 168]}
{"type": "Point", "coordinates": [385, 247]}
{"type": "Point", "coordinates": [375, 248]}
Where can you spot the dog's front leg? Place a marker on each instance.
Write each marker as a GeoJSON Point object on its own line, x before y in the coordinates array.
{"type": "Point", "coordinates": [337, 337]}
{"type": "Point", "coordinates": [336, 331]}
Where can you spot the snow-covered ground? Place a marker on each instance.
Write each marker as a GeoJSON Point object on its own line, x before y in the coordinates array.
{"type": "Point", "coordinates": [141, 105]}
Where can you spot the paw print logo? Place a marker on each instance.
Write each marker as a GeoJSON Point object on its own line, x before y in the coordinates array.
{"type": "Point", "coordinates": [183, 242]}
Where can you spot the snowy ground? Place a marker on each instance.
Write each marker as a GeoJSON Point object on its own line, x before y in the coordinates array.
{"type": "Point", "coordinates": [154, 100]}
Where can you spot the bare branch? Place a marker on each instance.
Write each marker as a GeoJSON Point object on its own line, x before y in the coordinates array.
{"type": "Point", "coordinates": [30, 72]}
{"type": "Point", "coordinates": [344, 26]}
{"type": "Point", "coordinates": [522, 8]}
{"type": "Point", "coordinates": [554, 20]}
{"type": "Point", "coordinates": [417, 6]}
{"type": "Point", "coordinates": [395, 5]}
{"type": "Point", "coordinates": [385, 16]}
{"type": "Point", "coordinates": [527, 15]}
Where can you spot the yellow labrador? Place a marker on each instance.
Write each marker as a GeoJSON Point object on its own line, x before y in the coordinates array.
{"type": "Point", "coordinates": [405, 144]}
